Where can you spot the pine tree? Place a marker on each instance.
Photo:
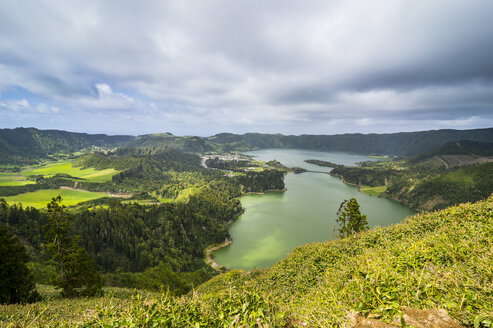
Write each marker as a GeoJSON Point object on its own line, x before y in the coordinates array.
{"type": "Point", "coordinates": [16, 280]}
{"type": "Point", "coordinates": [77, 272]}
{"type": "Point", "coordinates": [350, 219]}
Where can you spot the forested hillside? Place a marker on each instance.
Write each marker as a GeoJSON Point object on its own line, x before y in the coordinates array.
{"type": "Point", "coordinates": [169, 211]}
{"type": "Point", "coordinates": [28, 145]}
{"type": "Point", "coordinates": [404, 143]}
{"type": "Point", "coordinates": [166, 140]}
{"type": "Point", "coordinates": [136, 245]}
{"type": "Point", "coordinates": [454, 173]}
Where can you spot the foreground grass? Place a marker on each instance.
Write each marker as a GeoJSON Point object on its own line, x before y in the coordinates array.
{"type": "Point", "coordinates": [39, 198]}
{"type": "Point", "coordinates": [53, 311]}
{"type": "Point", "coordinates": [66, 167]}
{"type": "Point", "coordinates": [130, 308]}
{"type": "Point", "coordinates": [432, 260]}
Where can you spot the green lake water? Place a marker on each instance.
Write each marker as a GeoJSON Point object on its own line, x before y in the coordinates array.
{"type": "Point", "coordinates": [276, 222]}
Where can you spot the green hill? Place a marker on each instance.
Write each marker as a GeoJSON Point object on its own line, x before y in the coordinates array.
{"type": "Point", "coordinates": [466, 147]}
{"type": "Point", "coordinates": [404, 143]}
{"type": "Point", "coordinates": [28, 145]}
{"type": "Point", "coordinates": [162, 141]}
{"type": "Point", "coordinates": [470, 148]}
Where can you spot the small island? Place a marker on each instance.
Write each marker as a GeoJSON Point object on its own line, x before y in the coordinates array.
{"type": "Point", "coordinates": [322, 163]}
{"type": "Point", "coordinates": [297, 169]}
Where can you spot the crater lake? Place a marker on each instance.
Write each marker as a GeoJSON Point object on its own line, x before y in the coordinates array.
{"type": "Point", "coordinates": [276, 222]}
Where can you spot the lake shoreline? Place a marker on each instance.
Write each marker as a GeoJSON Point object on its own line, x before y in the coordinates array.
{"type": "Point", "coordinates": [209, 253]}
{"type": "Point", "coordinates": [263, 192]}
{"type": "Point", "coordinates": [276, 223]}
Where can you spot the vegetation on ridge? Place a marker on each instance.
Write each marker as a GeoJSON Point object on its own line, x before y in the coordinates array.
{"type": "Point", "coordinates": [449, 175]}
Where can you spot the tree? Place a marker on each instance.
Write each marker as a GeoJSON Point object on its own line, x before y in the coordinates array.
{"type": "Point", "coordinates": [350, 219]}
{"type": "Point", "coordinates": [77, 271]}
{"type": "Point", "coordinates": [16, 280]}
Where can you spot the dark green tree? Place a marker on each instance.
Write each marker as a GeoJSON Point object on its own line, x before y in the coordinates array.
{"type": "Point", "coordinates": [16, 280]}
{"type": "Point", "coordinates": [350, 219]}
{"type": "Point", "coordinates": [77, 271]}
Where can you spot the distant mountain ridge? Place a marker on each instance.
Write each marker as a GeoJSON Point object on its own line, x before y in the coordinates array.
{"type": "Point", "coordinates": [161, 141]}
{"type": "Point", "coordinates": [473, 149]}
{"type": "Point", "coordinates": [26, 145]}
{"type": "Point", "coordinates": [402, 143]}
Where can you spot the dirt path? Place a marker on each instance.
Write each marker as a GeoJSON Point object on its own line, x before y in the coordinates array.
{"type": "Point", "coordinates": [444, 163]}
{"type": "Point", "coordinates": [74, 189]}
{"type": "Point", "coordinates": [204, 159]}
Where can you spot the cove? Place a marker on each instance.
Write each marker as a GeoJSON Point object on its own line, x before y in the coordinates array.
{"type": "Point", "coordinates": [276, 222]}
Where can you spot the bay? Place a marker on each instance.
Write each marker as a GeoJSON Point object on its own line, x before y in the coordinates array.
{"type": "Point", "coordinates": [276, 222]}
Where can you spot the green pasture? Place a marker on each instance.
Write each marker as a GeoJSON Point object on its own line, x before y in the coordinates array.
{"type": "Point", "coordinates": [373, 191]}
{"type": "Point", "coordinates": [40, 198]}
{"type": "Point", "coordinates": [13, 179]}
{"type": "Point", "coordinates": [66, 166]}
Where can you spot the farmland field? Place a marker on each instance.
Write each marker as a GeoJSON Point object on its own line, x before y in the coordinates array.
{"type": "Point", "coordinates": [13, 179]}
{"type": "Point", "coordinates": [90, 174]}
{"type": "Point", "coordinates": [40, 198]}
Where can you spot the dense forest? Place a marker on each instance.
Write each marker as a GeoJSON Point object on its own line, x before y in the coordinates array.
{"type": "Point", "coordinates": [155, 238]}
{"type": "Point", "coordinates": [130, 238]}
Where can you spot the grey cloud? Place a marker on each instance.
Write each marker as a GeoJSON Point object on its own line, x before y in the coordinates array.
{"type": "Point", "coordinates": [242, 63]}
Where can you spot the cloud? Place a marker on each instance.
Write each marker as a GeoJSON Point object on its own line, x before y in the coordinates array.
{"type": "Point", "coordinates": [23, 106]}
{"type": "Point", "coordinates": [276, 66]}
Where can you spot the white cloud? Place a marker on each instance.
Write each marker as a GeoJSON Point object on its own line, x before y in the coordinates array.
{"type": "Point", "coordinates": [24, 107]}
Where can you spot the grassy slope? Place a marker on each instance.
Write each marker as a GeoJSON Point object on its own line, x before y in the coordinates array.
{"type": "Point", "coordinates": [440, 259]}
{"type": "Point", "coordinates": [431, 260]}
{"type": "Point", "coordinates": [54, 311]}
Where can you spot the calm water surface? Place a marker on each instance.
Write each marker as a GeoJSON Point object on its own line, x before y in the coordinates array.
{"type": "Point", "coordinates": [276, 222]}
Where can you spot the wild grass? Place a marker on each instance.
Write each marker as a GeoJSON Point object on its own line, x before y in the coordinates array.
{"type": "Point", "coordinates": [53, 311]}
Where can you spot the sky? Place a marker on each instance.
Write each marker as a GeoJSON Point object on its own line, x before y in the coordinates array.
{"type": "Point", "coordinates": [278, 66]}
